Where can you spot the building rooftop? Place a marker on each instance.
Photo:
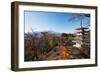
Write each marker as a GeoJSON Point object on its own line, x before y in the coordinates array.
{"type": "Point", "coordinates": [81, 28]}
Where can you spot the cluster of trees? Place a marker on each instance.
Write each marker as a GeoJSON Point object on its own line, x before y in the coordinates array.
{"type": "Point", "coordinates": [68, 39]}
{"type": "Point", "coordinates": [36, 48]}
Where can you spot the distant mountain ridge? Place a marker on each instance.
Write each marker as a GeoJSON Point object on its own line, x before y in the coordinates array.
{"type": "Point", "coordinates": [39, 34]}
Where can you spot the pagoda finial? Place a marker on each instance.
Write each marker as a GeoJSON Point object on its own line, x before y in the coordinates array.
{"type": "Point", "coordinates": [81, 23]}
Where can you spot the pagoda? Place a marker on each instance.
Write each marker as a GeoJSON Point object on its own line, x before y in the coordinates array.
{"type": "Point", "coordinates": [81, 36]}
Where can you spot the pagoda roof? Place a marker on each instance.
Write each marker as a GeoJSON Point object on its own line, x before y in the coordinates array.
{"type": "Point", "coordinates": [81, 28]}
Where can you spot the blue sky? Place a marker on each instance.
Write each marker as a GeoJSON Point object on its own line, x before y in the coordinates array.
{"type": "Point", "coordinates": [51, 21]}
